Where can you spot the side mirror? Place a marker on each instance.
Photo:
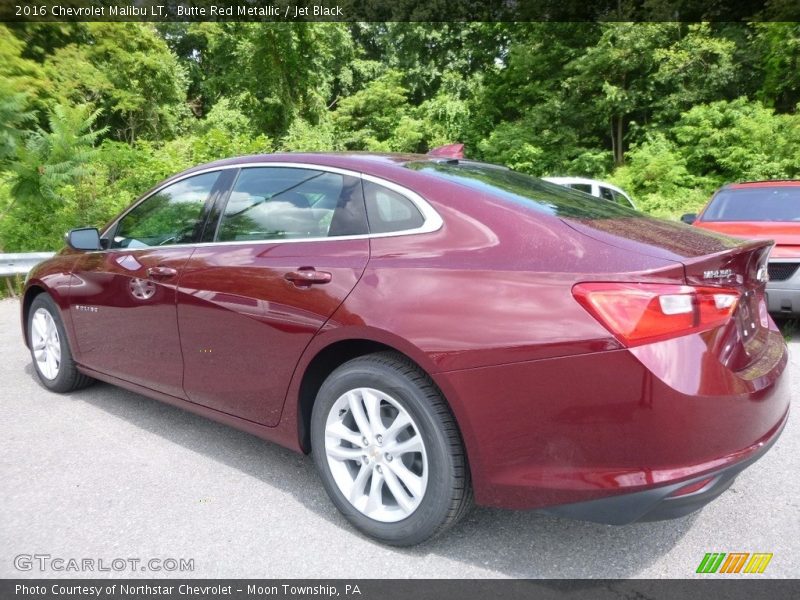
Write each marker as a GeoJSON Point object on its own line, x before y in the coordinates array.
{"type": "Point", "coordinates": [85, 238]}
{"type": "Point", "coordinates": [689, 218]}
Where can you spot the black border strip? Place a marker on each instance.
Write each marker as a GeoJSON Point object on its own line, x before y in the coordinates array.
{"type": "Point", "coordinates": [730, 587]}
{"type": "Point", "coordinates": [399, 10]}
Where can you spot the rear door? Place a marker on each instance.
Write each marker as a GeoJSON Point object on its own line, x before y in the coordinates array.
{"type": "Point", "coordinates": [123, 298]}
{"type": "Point", "coordinates": [290, 245]}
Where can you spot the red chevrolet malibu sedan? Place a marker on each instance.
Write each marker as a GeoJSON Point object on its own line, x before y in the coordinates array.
{"type": "Point", "coordinates": [433, 330]}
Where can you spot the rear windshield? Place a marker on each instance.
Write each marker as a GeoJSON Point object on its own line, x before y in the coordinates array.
{"type": "Point", "coordinates": [525, 190]}
{"type": "Point", "coordinates": [755, 204]}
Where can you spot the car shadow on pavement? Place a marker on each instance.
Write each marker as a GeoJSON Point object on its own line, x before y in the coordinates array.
{"type": "Point", "coordinates": [514, 543]}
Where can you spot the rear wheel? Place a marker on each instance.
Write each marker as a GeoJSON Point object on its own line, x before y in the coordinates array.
{"type": "Point", "coordinates": [52, 357]}
{"type": "Point", "coordinates": [388, 450]}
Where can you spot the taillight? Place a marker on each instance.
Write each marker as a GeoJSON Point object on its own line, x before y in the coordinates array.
{"type": "Point", "coordinates": [640, 313]}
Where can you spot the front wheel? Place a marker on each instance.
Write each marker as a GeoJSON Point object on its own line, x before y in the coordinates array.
{"type": "Point", "coordinates": [52, 356]}
{"type": "Point", "coordinates": [388, 450]}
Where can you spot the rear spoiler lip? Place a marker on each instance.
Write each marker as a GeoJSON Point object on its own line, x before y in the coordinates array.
{"type": "Point", "coordinates": [716, 269]}
{"type": "Point", "coordinates": [745, 247]}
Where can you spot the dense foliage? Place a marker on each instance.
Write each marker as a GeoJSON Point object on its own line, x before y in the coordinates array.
{"type": "Point", "coordinates": [93, 114]}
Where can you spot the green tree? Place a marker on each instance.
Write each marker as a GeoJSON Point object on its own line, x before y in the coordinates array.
{"type": "Point", "coordinates": [446, 116]}
{"type": "Point", "coordinates": [23, 84]}
{"type": "Point", "coordinates": [530, 67]}
{"type": "Point", "coordinates": [656, 174]}
{"type": "Point", "coordinates": [427, 53]}
{"type": "Point", "coordinates": [698, 67]}
{"type": "Point", "coordinates": [128, 71]}
{"type": "Point", "coordinates": [738, 140]}
{"type": "Point", "coordinates": [612, 80]}
{"type": "Point", "coordinates": [779, 44]}
{"type": "Point", "coordinates": [305, 137]}
{"type": "Point", "coordinates": [55, 157]}
{"type": "Point", "coordinates": [14, 115]}
{"type": "Point", "coordinates": [379, 117]}
{"type": "Point", "coordinates": [275, 72]}
{"type": "Point", "coordinates": [49, 161]}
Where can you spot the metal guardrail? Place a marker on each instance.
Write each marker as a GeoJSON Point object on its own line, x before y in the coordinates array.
{"type": "Point", "coordinates": [20, 263]}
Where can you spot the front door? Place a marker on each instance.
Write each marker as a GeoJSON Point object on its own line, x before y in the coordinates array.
{"type": "Point", "coordinates": [122, 299]}
{"type": "Point", "coordinates": [249, 304]}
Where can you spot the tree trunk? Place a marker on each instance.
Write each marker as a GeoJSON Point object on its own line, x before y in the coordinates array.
{"type": "Point", "coordinates": [613, 139]}
{"type": "Point", "coordinates": [7, 209]}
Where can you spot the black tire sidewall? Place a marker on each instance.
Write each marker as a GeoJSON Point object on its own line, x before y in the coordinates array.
{"type": "Point", "coordinates": [433, 510]}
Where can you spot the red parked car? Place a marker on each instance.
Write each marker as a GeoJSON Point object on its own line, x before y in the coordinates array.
{"type": "Point", "coordinates": [763, 210]}
{"type": "Point", "coordinates": [430, 328]}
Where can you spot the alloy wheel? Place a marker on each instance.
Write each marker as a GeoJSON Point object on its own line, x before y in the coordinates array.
{"type": "Point", "coordinates": [46, 343]}
{"type": "Point", "coordinates": [376, 454]}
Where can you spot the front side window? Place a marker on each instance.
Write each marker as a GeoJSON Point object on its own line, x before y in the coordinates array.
{"type": "Point", "coordinates": [173, 215]}
{"type": "Point", "coordinates": [283, 203]}
{"type": "Point", "coordinates": [606, 194]}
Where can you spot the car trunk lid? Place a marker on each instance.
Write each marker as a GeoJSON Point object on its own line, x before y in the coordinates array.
{"type": "Point", "coordinates": [710, 260]}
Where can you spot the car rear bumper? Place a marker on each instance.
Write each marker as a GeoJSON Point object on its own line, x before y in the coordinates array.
{"type": "Point", "coordinates": [783, 288]}
{"type": "Point", "coordinates": [666, 502]}
{"type": "Point", "coordinates": [623, 428]}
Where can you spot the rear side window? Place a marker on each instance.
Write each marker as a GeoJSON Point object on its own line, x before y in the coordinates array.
{"type": "Point", "coordinates": [523, 190]}
{"type": "Point", "coordinates": [389, 211]}
{"type": "Point", "coordinates": [276, 203]}
{"type": "Point", "coordinates": [621, 199]}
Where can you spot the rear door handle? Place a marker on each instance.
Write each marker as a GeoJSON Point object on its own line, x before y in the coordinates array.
{"type": "Point", "coordinates": [304, 277]}
{"type": "Point", "coordinates": [161, 272]}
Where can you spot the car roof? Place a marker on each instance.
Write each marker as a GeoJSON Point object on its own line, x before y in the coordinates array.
{"type": "Point", "coordinates": [352, 160]}
{"type": "Point", "coordinates": [372, 163]}
{"type": "Point", "coordinates": [389, 166]}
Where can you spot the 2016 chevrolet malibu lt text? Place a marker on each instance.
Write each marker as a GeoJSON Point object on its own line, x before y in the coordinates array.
{"type": "Point", "coordinates": [430, 330]}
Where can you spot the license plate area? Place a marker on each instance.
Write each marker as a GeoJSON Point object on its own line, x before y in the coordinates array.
{"type": "Point", "coordinates": [747, 315]}
{"type": "Point", "coordinates": [752, 322]}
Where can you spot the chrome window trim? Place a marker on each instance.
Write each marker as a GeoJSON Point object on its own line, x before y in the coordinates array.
{"type": "Point", "coordinates": [431, 220]}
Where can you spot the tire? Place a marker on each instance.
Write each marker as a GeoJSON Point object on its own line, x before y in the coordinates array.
{"type": "Point", "coordinates": [48, 339]}
{"type": "Point", "coordinates": [417, 482]}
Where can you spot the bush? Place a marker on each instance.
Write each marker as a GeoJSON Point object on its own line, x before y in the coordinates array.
{"type": "Point", "coordinates": [305, 137]}
{"type": "Point", "coordinates": [738, 140]}
{"type": "Point", "coordinates": [84, 186]}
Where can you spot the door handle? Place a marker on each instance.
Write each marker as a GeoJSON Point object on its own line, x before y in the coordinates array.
{"type": "Point", "coordinates": [161, 272]}
{"type": "Point", "coordinates": [306, 276]}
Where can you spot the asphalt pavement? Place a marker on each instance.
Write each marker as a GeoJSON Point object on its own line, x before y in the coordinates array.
{"type": "Point", "coordinates": [105, 474]}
